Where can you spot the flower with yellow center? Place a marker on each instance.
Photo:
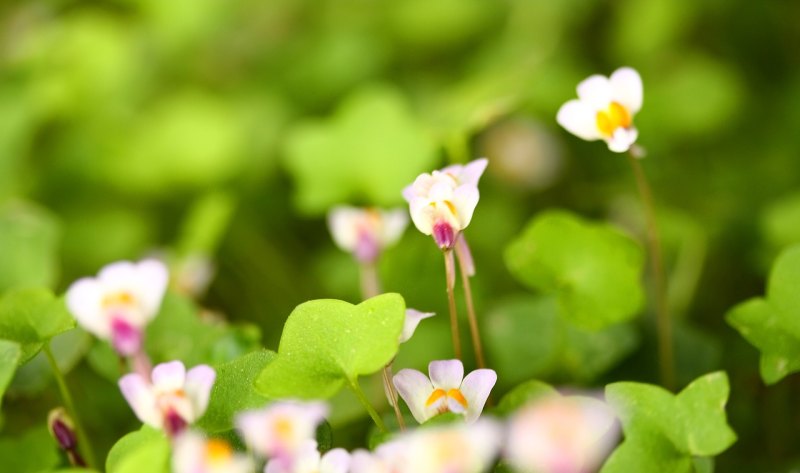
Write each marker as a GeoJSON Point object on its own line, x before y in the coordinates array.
{"type": "Point", "coordinates": [366, 232]}
{"type": "Point", "coordinates": [281, 430]}
{"type": "Point", "coordinates": [605, 108]}
{"type": "Point", "coordinates": [447, 390]}
{"type": "Point", "coordinates": [195, 454]}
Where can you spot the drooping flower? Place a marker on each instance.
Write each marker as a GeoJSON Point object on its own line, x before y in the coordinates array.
{"type": "Point", "coordinates": [281, 430]}
{"type": "Point", "coordinates": [172, 398]}
{"type": "Point", "coordinates": [605, 108]}
{"type": "Point", "coordinates": [309, 460]}
{"type": "Point", "coordinates": [366, 232]}
{"type": "Point", "coordinates": [412, 320]}
{"type": "Point", "coordinates": [442, 203]}
{"type": "Point", "coordinates": [193, 453]}
{"type": "Point", "coordinates": [560, 435]}
{"type": "Point", "coordinates": [119, 302]}
{"type": "Point", "coordinates": [455, 448]}
{"type": "Point", "coordinates": [447, 390]}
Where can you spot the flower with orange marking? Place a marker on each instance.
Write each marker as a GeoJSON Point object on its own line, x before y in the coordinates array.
{"type": "Point", "coordinates": [605, 108]}
{"type": "Point", "coordinates": [193, 453]}
{"type": "Point", "coordinates": [447, 390]}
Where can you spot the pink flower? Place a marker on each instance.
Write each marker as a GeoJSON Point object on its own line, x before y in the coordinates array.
{"type": "Point", "coordinates": [282, 429]}
{"type": "Point", "coordinates": [366, 232]}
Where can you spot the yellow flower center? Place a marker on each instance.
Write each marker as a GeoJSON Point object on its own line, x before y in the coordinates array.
{"type": "Point", "coordinates": [438, 394]}
{"type": "Point", "coordinates": [122, 298]}
{"type": "Point", "coordinates": [614, 117]}
{"type": "Point", "coordinates": [284, 428]}
{"type": "Point", "coordinates": [218, 451]}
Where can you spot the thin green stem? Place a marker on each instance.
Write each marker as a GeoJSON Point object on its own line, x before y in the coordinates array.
{"type": "Point", "coordinates": [370, 283]}
{"type": "Point", "coordinates": [84, 445]}
{"type": "Point", "coordinates": [450, 277]}
{"type": "Point", "coordinates": [471, 317]}
{"type": "Point", "coordinates": [663, 321]}
{"type": "Point", "coordinates": [362, 398]}
{"type": "Point", "coordinates": [387, 382]}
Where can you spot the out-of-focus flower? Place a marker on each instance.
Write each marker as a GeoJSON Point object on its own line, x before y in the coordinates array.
{"type": "Point", "coordinates": [193, 453]}
{"type": "Point", "coordinates": [119, 302]}
{"type": "Point", "coordinates": [560, 435]}
{"type": "Point", "coordinates": [455, 448]}
{"type": "Point", "coordinates": [447, 390]}
{"type": "Point", "coordinates": [605, 108]}
{"type": "Point", "coordinates": [442, 203]}
{"type": "Point", "coordinates": [387, 458]}
{"type": "Point", "coordinates": [173, 398]}
{"type": "Point", "coordinates": [366, 232]}
{"type": "Point", "coordinates": [413, 318]}
{"type": "Point", "coordinates": [308, 460]}
{"type": "Point", "coordinates": [282, 429]}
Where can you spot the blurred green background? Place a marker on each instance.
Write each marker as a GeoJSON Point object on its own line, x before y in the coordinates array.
{"type": "Point", "coordinates": [217, 134]}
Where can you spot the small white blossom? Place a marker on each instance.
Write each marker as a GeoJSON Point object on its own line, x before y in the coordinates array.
{"type": "Point", "coordinates": [195, 454]}
{"type": "Point", "coordinates": [366, 232]}
{"type": "Point", "coordinates": [281, 430]}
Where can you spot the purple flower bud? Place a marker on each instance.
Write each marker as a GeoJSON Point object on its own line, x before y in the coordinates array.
{"type": "Point", "coordinates": [174, 424]}
{"type": "Point", "coordinates": [61, 428]}
{"type": "Point", "coordinates": [126, 338]}
{"type": "Point", "coordinates": [444, 235]}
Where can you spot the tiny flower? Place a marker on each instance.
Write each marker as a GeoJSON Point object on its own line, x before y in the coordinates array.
{"type": "Point", "coordinates": [282, 429]}
{"type": "Point", "coordinates": [173, 399]}
{"type": "Point", "coordinates": [119, 302]}
{"type": "Point", "coordinates": [366, 232]}
{"type": "Point", "coordinates": [446, 391]}
{"type": "Point", "coordinates": [442, 203]}
{"type": "Point", "coordinates": [195, 454]}
{"type": "Point", "coordinates": [413, 318]}
{"type": "Point", "coordinates": [560, 435]}
{"type": "Point", "coordinates": [455, 448]}
{"type": "Point", "coordinates": [605, 108]}
{"type": "Point", "coordinates": [309, 460]}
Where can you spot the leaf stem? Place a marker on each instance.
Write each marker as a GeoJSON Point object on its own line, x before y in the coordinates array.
{"type": "Point", "coordinates": [473, 320]}
{"type": "Point", "coordinates": [387, 382]}
{"type": "Point", "coordinates": [362, 398]}
{"type": "Point", "coordinates": [663, 321]}
{"type": "Point", "coordinates": [84, 445]}
{"type": "Point", "coordinates": [450, 277]}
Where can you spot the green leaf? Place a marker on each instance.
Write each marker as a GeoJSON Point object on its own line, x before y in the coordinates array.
{"type": "Point", "coordinates": [29, 238]}
{"type": "Point", "coordinates": [592, 268]}
{"type": "Point", "coordinates": [522, 394]}
{"type": "Point", "coordinates": [665, 429]}
{"type": "Point", "coordinates": [31, 452]}
{"type": "Point", "coordinates": [772, 324]}
{"type": "Point", "coordinates": [233, 390]}
{"type": "Point", "coordinates": [370, 150]}
{"type": "Point", "coordinates": [68, 349]}
{"type": "Point", "coordinates": [31, 317]}
{"type": "Point", "coordinates": [327, 342]}
{"type": "Point", "coordinates": [10, 354]}
{"type": "Point", "coordinates": [146, 449]}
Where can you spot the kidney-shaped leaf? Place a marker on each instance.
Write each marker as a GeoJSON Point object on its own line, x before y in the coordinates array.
{"type": "Point", "coordinates": [31, 317]}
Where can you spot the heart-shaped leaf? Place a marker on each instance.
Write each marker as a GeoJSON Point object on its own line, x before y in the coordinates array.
{"type": "Point", "coordinates": [146, 449]}
{"type": "Point", "coordinates": [328, 342]}
{"type": "Point", "coordinates": [31, 317]}
{"type": "Point", "coordinates": [10, 354]}
{"type": "Point", "coordinates": [593, 268]}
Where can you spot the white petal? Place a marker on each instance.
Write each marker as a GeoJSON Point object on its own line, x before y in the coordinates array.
{"type": "Point", "coordinates": [169, 377]}
{"type": "Point", "coordinates": [423, 215]}
{"type": "Point", "coordinates": [473, 171]}
{"type": "Point", "coordinates": [476, 388]}
{"type": "Point", "coordinates": [119, 275]}
{"type": "Point", "coordinates": [152, 280]}
{"type": "Point", "coordinates": [394, 224]}
{"type": "Point", "coordinates": [335, 461]}
{"type": "Point", "coordinates": [623, 139]}
{"type": "Point", "coordinates": [413, 318]}
{"type": "Point", "coordinates": [85, 302]}
{"type": "Point", "coordinates": [580, 119]}
{"type": "Point", "coordinates": [465, 199]}
{"type": "Point", "coordinates": [415, 388]}
{"type": "Point", "coordinates": [199, 381]}
{"type": "Point", "coordinates": [141, 399]}
{"type": "Point", "coordinates": [446, 374]}
{"type": "Point", "coordinates": [343, 227]}
{"type": "Point", "coordinates": [626, 88]}
{"type": "Point", "coordinates": [596, 92]}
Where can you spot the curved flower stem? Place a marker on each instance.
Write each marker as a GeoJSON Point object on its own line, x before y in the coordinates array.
{"type": "Point", "coordinates": [463, 257]}
{"type": "Point", "coordinates": [362, 398]}
{"type": "Point", "coordinates": [663, 321]}
{"type": "Point", "coordinates": [450, 277]}
{"type": "Point", "coordinates": [387, 382]}
{"type": "Point", "coordinates": [83, 440]}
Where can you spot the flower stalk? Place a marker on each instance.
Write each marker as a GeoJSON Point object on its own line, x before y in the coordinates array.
{"type": "Point", "coordinates": [467, 269]}
{"type": "Point", "coordinates": [450, 280]}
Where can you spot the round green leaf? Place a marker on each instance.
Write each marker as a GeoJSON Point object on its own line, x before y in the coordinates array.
{"type": "Point", "coordinates": [146, 449]}
{"type": "Point", "coordinates": [10, 354]}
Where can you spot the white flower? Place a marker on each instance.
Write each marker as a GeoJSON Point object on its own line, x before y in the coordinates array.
{"type": "Point", "coordinates": [309, 460]}
{"type": "Point", "coordinates": [366, 232]}
{"type": "Point", "coordinates": [560, 435]}
{"type": "Point", "coordinates": [605, 108]}
{"type": "Point", "coordinates": [455, 448]}
{"type": "Point", "coordinates": [193, 453]}
{"type": "Point", "coordinates": [119, 303]}
{"type": "Point", "coordinates": [281, 429]}
{"type": "Point", "coordinates": [388, 457]}
{"type": "Point", "coordinates": [442, 203]}
{"type": "Point", "coordinates": [447, 390]}
{"type": "Point", "coordinates": [412, 320]}
{"type": "Point", "coordinates": [173, 398]}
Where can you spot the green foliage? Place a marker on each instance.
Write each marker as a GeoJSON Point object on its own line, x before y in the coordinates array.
{"type": "Point", "coordinates": [772, 323]}
{"type": "Point", "coordinates": [368, 151]}
{"type": "Point", "coordinates": [522, 394]}
{"type": "Point", "coordinates": [31, 317]}
{"type": "Point", "coordinates": [593, 269]}
{"type": "Point", "coordinates": [146, 449]}
{"type": "Point", "coordinates": [327, 343]}
{"type": "Point", "coordinates": [29, 238]}
{"type": "Point", "coordinates": [33, 451]}
{"type": "Point", "coordinates": [233, 390]}
{"type": "Point", "coordinates": [10, 354]}
{"type": "Point", "coordinates": [663, 432]}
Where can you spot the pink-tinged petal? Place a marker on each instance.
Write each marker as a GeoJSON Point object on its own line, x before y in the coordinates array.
{"type": "Point", "coordinates": [118, 275]}
{"type": "Point", "coordinates": [140, 397]}
{"type": "Point", "coordinates": [85, 302]}
{"type": "Point", "coordinates": [413, 318]}
{"type": "Point", "coordinates": [465, 199]}
{"type": "Point", "coordinates": [335, 461]}
{"type": "Point", "coordinates": [580, 119]}
{"type": "Point", "coordinates": [169, 376]}
{"type": "Point", "coordinates": [472, 172]}
{"type": "Point", "coordinates": [125, 337]}
{"type": "Point", "coordinates": [199, 381]}
{"type": "Point", "coordinates": [444, 235]}
{"type": "Point", "coordinates": [153, 278]}
{"type": "Point", "coordinates": [455, 406]}
{"type": "Point", "coordinates": [464, 254]}
{"type": "Point", "coordinates": [623, 139]}
{"type": "Point", "coordinates": [415, 388]}
{"type": "Point", "coordinates": [596, 92]}
{"type": "Point", "coordinates": [342, 223]}
{"type": "Point", "coordinates": [446, 374]}
{"type": "Point", "coordinates": [626, 88]}
{"type": "Point", "coordinates": [394, 224]}
{"type": "Point", "coordinates": [441, 190]}
{"type": "Point", "coordinates": [476, 388]}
